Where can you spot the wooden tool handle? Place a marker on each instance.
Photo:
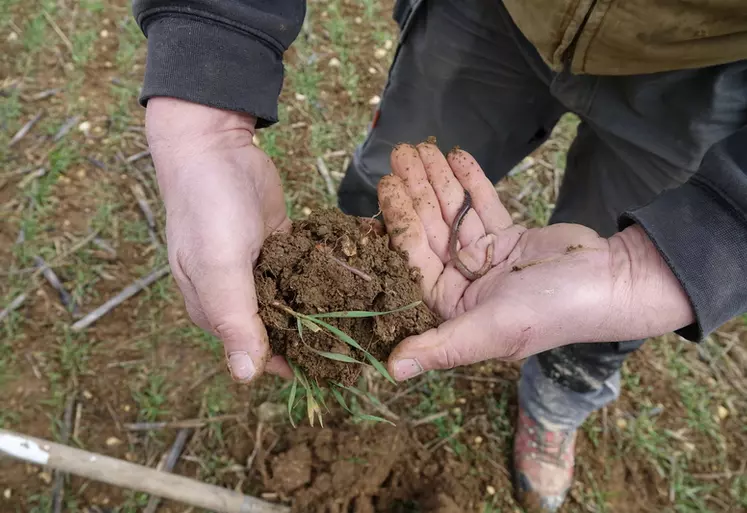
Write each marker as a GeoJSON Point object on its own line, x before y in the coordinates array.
{"type": "Point", "coordinates": [130, 475]}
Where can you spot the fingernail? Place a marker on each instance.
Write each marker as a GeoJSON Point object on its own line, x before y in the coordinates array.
{"type": "Point", "coordinates": [241, 366]}
{"type": "Point", "coordinates": [406, 369]}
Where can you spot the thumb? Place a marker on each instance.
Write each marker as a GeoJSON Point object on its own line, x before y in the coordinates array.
{"type": "Point", "coordinates": [228, 299]}
{"type": "Point", "coordinates": [471, 337]}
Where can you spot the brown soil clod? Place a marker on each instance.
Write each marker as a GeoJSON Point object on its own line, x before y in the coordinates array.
{"type": "Point", "coordinates": [331, 262]}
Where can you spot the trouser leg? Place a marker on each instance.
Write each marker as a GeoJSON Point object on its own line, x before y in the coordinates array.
{"type": "Point", "coordinates": [458, 75]}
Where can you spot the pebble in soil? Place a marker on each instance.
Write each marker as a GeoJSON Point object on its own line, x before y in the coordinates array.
{"type": "Point", "coordinates": [299, 271]}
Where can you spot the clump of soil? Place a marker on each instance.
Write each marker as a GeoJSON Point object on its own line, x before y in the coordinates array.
{"type": "Point", "coordinates": [303, 270]}
{"type": "Point", "coordinates": [381, 469]}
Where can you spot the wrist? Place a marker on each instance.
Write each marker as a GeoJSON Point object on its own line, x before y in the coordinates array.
{"type": "Point", "coordinates": [647, 298]}
{"type": "Point", "coordinates": [187, 139]}
{"type": "Point", "coordinates": [182, 123]}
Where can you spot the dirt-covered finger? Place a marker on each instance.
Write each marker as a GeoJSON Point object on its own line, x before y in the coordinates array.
{"type": "Point", "coordinates": [485, 200]}
{"type": "Point", "coordinates": [450, 193]}
{"type": "Point", "coordinates": [406, 231]}
{"type": "Point", "coordinates": [407, 165]}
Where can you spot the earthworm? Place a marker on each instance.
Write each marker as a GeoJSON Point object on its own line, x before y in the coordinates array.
{"type": "Point", "coordinates": [470, 275]}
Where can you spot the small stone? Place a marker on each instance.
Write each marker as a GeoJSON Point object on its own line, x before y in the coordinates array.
{"type": "Point", "coordinates": [306, 211]}
{"type": "Point", "coordinates": [85, 127]}
{"type": "Point", "coordinates": [348, 246]}
{"type": "Point", "coordinates": [388, 44]}
{"type": "Point", "coordinates": [7, 493]}
{"type": "Point", "coordinates": [130, 457]}
{"type": "Point", "coordinates": [372, 70]}
{"type": "Point", "coordinates": [379, 53]}
{"type": "Point", "coordinates": [722, 412]}
{"type": "Point", "coordinates": [490, 490]}
{"type": "Point", "coordinates": [66, 223]}
{"type": "Point", "coordinates": [478, 440]}
{"type": "Point", "coordinates": [462, 400]}
{"type": "Point", "coordinates": [104, 33]}
{"type": "Point", "coordinates": [81, 173]}
{"type": "Point", "coordinates": [46, 477]}
{"type": "Point", "coordinates": [108, 64]}
{"type": "Point", "coordinates": [300, 97]}
{"type": "Point", "coordinates": [12, 37]}
{"type": "Point", "coordinates": [87, 395]}
{"type": "Point", "coordinates": [106, 22]}
{"type": "Point", "coordinates": [358, 20]}
{"type": "Point", "coordinates": [375, 100]}
{"type": "Point", "coordinates": [621, 423]}
{"type": "Point", "coordinates": [334, 62]}
{"type": "Point", "coordinates": [126, 407]}
{"type": "Point", "coordinates": [113, 441]}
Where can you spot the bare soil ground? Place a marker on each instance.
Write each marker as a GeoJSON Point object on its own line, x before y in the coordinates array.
{"type": "Point", "coordinates": [673, 442]}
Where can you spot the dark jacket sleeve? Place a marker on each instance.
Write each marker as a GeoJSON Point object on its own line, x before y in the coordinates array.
{"type": "Point", "coordinates": [222, 53]}
{"type": "Point", "coordinates": [700, 228]}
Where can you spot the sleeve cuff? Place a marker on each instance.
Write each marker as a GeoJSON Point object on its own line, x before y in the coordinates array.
{"type": "Point", "coordinates": [212, 64]}
{"type": "Point", "coordinates": [703, 239]}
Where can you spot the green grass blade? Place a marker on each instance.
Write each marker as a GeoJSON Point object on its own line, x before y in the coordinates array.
{"type": "Point", "coordinates": [340, 334]}
{"type": "Point", "coordinates": [336, 356]}
{"type": "Point", "coordinates": [309, 324]}
{"type": "Point", "coordinates": [320, 394]}
{"type": "Point", "coordinates": [361, 313]}
{"type": "Point", "coordinates": [340, 398]}
{"type": "Point", "coordinates": [379, 367]}
{"type": "Point", "coordinates": [349, 340]}
{"type": "Point", "coordinates": [299, 327]}
{"type": "Point", "coordinates": [373, 418]}
{"type": "Point", "coordinates": [292, 400]}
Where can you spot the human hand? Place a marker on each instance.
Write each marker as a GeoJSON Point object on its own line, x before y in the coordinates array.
{"type": "Point", "coordinates": [547, 287]}
{"type": "Point", "coordinates": [223, 197]}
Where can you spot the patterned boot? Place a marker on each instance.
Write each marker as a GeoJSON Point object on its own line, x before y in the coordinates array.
{"type": "Point", "coordinates": [543, 465]}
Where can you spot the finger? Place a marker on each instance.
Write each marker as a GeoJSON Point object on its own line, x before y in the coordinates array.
{"type": "Point", "coordinates": [228, 299]}
{"type": "Point", "coordinates": [407, 232]}
{"type": "Point", "coordinates": [485, 201]}
{"type": "Point", "coordinates": [407, 165]}
{"type": "Point", "coordinates": [472, 337]}
{"type": "Point", "coordinates": [450, 194]}
{"type": "Point", "coordinates": [278, 366]}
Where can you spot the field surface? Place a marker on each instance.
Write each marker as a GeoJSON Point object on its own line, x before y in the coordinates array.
{"type": "Point", "coordinates": [75, 182]}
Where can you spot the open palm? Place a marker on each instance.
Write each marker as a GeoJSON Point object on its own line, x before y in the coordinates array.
{"type": "Point", "coordinates": [540, 280]}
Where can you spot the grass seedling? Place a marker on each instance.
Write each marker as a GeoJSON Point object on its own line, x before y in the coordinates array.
{"type": "Point", "coordinates": [314, 393]}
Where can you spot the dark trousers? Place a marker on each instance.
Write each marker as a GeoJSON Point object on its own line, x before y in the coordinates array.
{"type": "Point", "coordinates": [464, 73]}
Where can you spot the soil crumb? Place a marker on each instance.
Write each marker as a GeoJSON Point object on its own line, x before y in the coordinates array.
{"type": "Point", "coordinates": [332, 262]}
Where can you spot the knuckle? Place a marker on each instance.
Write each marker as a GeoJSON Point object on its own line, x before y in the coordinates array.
{"type": "Point", "coordinates": [226, 330]}
{"type": "Point", "coordinates": [448, 357]}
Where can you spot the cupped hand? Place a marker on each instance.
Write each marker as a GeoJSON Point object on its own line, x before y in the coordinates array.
{"type": "Point", "coordinates": [223, 197]}
{"type": "Point", "coordinates": [546, 287]}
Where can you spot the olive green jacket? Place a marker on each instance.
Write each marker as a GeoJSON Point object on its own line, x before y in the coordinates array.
{"type": "Point", "coordinates": [624, 37]}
